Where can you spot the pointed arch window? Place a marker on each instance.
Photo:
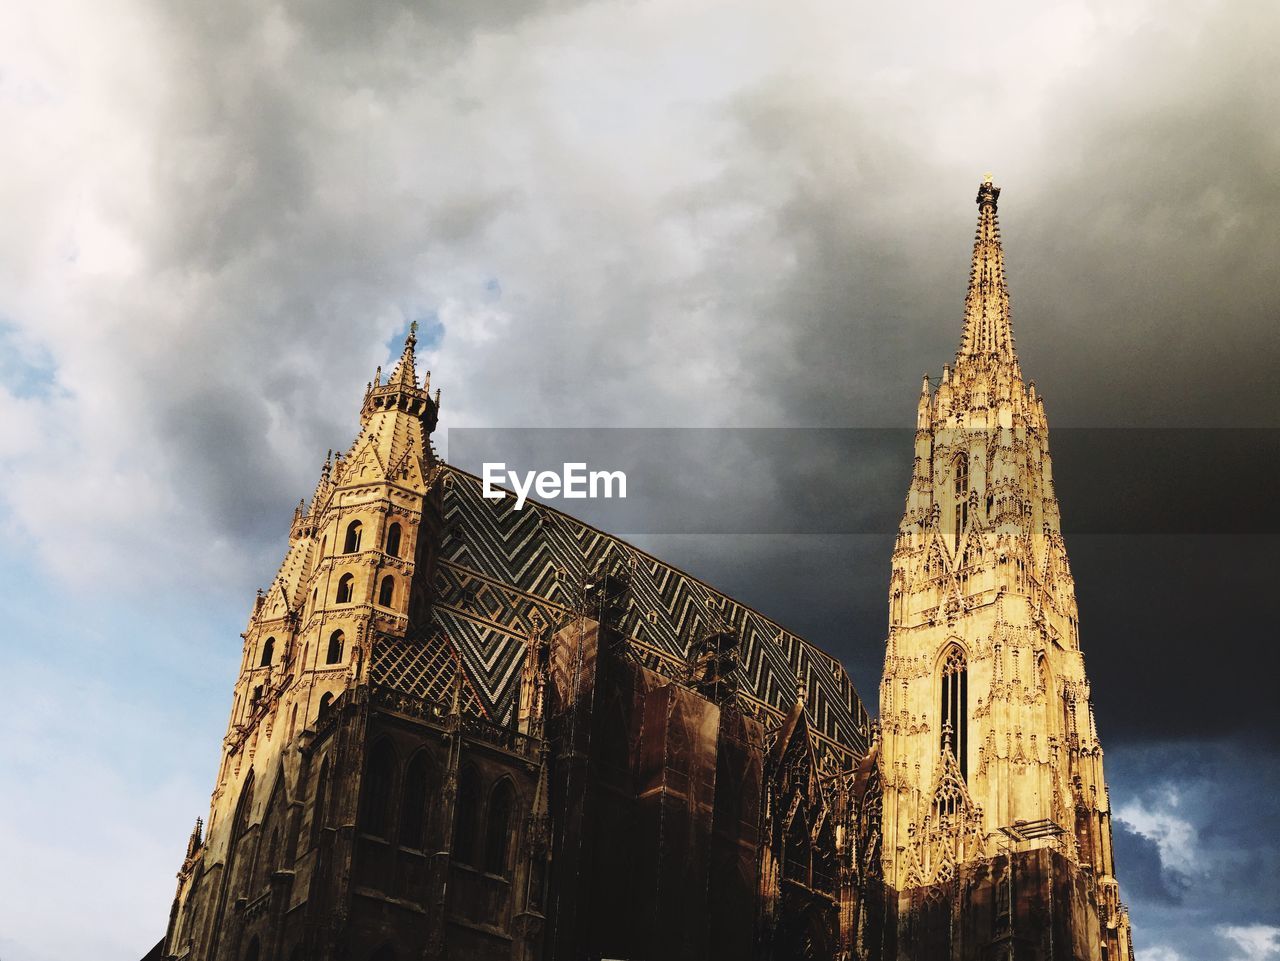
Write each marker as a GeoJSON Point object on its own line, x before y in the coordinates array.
{"type": "Point", "coordinates": [346, 586]}
{"type": "Point", "coordinates": [321, 799]}
{"type": "Point", "coordinates": [352, 543]}
{"type": "Point", "coordinates": [387, 591]}
{"type": "Point", "coordinates": [954, 711]}
{"type": "Point", "coordinates": [962, 493]}
{"type": "Point", "coordinates": [375, 798]}
{"type": "Point", "coordinates": [413, 802]}
{"type": "Point", "coordinates": [464, 822]}
{"type": "Point", "coordinates": [497, 831]}
{"type": "Point", "coordinates": [326, 702]}
{"type": "Point", "coordinates": [797, 847]}
{"type": "Point", "coordinates": [268, 652]}
{"type": "Point", "coordinates": [393, 540]}
{"type": "Point", "coordinates": [336, 641]}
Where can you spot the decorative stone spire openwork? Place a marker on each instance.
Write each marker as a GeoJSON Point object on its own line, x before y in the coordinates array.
{"type": "Point", "coordinates": [988, 329]}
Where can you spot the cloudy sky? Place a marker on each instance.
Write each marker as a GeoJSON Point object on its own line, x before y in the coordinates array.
{"type": "Point", "coordinates": [219, 218]}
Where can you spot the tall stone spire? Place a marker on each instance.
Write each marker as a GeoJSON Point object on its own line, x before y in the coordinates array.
{"type": "Point", "coordinates": [988, 330]}
{"type": "Point", "coordinates": [984, 702]}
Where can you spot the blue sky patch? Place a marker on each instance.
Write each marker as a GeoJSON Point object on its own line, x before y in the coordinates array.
{"type": "Point", "coordinates": [26, 369]}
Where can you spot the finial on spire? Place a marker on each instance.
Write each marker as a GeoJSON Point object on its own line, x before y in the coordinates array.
{"type": "Point", "coordinates": [988, 192]}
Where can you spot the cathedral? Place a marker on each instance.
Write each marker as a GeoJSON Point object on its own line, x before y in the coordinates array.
{"type": "Point", "coordinates": [462, 731]}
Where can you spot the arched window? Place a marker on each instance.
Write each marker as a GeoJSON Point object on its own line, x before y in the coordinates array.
{"type": "Point", "coordinates": [393, 540]}
{"type": "Point", "coordinates": [334, 656]}
{"type": "Point", "coordinates": [797, 848]}
{"type": "Point", "coordinates": [387, 591]}
{"type": "Point", "coordinates": [1043, 681]}
{"type": "Point", "coordinates": [321, 799]}
{"type": "Point", "coordinates": [346, 583]}
{"type": "Point", "coordinates": [375, 795]}
{"type": "Point", "coordinates": [353, 538]}
{"type": "Point", "coordinates": [251, 953]}
{"type": "Point", "coordinates": [268, 652]}
{"type": "Point", "coordinates": [955, 707]}
{"type": "Point", "coordinates": [962, 494]}
{"type": "Point", "coordinates": [413, 803]}
{"type": "Point", "coordinates": [497, 831]}
{"type": "Point", "coordinates": [464, 822]}
{"type": "Point", "coordinates": [244, 808]}
{"type": "Point", "coordinates": [326, 701]}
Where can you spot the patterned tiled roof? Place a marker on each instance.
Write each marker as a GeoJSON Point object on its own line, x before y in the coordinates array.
{"type": "Point", "coordinates": [500, 567]}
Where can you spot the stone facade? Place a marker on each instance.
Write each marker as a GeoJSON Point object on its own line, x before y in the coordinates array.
{"type": "Point", "coordinates": [988, 747]}
{"type": "Point", "coordinates": [462, 731]}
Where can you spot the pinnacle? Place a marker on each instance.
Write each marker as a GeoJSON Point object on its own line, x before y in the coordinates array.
{"type": "Point", "coordinates": [988, 330]}
{"type": "Point", "coordinates": [404, 374]}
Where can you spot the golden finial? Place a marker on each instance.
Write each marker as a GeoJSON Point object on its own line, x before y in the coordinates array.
{"type": "Point", "coordinates": [986, 178]}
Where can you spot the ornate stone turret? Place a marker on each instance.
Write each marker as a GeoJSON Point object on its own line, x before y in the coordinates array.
{"type": "Point", "coordinates": [988, 743]}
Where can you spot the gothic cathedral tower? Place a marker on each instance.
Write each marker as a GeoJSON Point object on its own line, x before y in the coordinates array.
{"type": "Point", "coordinates": [265, 873]}
{"type": "Point", "coordinates": [996, 821]}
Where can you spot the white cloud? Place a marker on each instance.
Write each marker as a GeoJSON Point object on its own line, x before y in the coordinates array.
{"type": "Point", "coordinates": [1175, 836]}
{"type": "Point", "coordinates": [1256, 942]}
{"type": "Point", "coordinates": [1159, 952]}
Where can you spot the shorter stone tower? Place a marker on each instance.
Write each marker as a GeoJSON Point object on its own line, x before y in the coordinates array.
{"type": "Point", "coordinates": [305, 855]}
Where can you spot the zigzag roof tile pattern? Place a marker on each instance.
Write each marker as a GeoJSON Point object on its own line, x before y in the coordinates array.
{"type": "Point", "coordinates": [500, 567]}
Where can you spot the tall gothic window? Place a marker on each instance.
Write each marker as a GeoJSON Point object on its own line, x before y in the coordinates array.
{"type": "Point", "coordinates": [393, 540]}
{"type": "Point", "coordinates": [955, 707]}
{"type": "Point", "coordinates": [268, 652]}
{"type": "Point", "coordinates": [464, 824]}
{"type": "Point", "coordinates": [796, 851]}
{"type": "Point", "coordinates": [962, 494]}
{"type": "Point", "coordinates": [346, 584]}
{"type": "Point", "coordinates": [413, 803]}
{"type": "Point", "coordinates": [321, 798]}
{"type": "Point", "coordinates": [353, 538]}
{"type": "Point", "coordinates": [335, 648]}
{"type": "Point", "coordinates": [375, 798]}
{"type": "Point", "coordinates": [387, 591]}
{"type": "Point", "coordinates": [497, 833]}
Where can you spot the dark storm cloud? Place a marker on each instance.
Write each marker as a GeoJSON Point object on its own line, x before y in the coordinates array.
{"type": "Point", "coordinates": [631, 214]}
